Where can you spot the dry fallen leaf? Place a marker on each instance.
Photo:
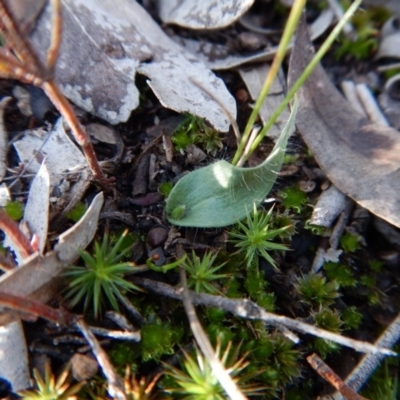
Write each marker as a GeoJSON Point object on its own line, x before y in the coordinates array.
{"type": "Point", "coordinates": [362, 159]}
{"type": "Point", "coordinates": [32, 279]}
{"type": "Point", "coordinates": [206, 14]}
{"type": "Point", "coordinates": [254, 77]}
{"type": "Point", "coordinates": [390, 40]}
{"type": "Point", "coordinates": [14, 364]}
{"type": "Point", "coordinates": [37, 145]}
{"type": "Point", "coordinates": [36, 213]}
{"type": "Point", "coordinates": [117, 41]}
{"type": "Point", "coordinates": [219, 57]}
{"type": "Point", "coordinates": [3, 139]}
{"type": "Point", "coordinates": [389, 101]}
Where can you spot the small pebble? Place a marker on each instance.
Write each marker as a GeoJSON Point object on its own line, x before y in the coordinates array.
{"type": "Point", "coordinates": [157, 236]}
{"type": "Point", "coordinates": [83, 367]}
{"type": "Point", "coordinates": [307, 186]}
{"type": "Point", "coordinates": [250, 41]}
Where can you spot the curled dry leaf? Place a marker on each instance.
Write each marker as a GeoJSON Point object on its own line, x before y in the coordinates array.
{"type": "Point", "coordinates": [35, 146]}
{"type": "Point", "coordinates": [36, 213]}
{"type": "Point", "coordinates": [389, 100]}
{"type": "Point", "coordinates": [390, 39]}
{"type": "Point", "coordinates": [33, 278]}
{"type": "Point", "coordinates": [360, 158]}
{"type": "Point", "coordinates": [14, 364]}
{"type": "Point", "coordinates": [117, 41]}
{"type": "Point", "coordinates": [206, 14]}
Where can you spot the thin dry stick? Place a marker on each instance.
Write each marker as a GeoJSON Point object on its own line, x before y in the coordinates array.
{"type": "Point", "coordinates": [35, 308]}
{"type": "Point", "coordinates": [11, 229]}
{"type": "Point", "coordinates": [56, 30]}
{"type": "Point", "coordinates": [115, 383]}
{"type": "Point", "coordinates": [329, 375]}
{"type": "Point", "coordinates": [6, 264]}
{"type": "Point", "coordinates": [361, 373]}
{"type": "Point", "coordinates": [250, 310]}
{"type": "Point", "coordinates": [23, 65]}
{"type": "Point", "coordinates": [205, 346]}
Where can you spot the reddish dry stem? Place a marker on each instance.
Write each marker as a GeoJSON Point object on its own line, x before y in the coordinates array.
{"type": "Point", "coordinates": [35, 308]}
{"type": "Point", "coordinates": [27, 68]}
{"type": "Point", "coordinates": [6, 264]}
{"type": "Point", "coordinates": [330, 376]}
{"type": "Point", "coordinates": [11, 228]}
{"type": "Point", "coordinates": [16, 41]}
{"type": "Point", "coordinates": [56, 29]}
{"type": "Point", "coordinates": [64, 107]}
{"type": "Point", "coordinates": [10, 68]}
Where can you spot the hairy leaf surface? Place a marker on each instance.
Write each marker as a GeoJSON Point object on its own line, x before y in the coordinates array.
{"type": "Point", "coordinates": [222, 194]}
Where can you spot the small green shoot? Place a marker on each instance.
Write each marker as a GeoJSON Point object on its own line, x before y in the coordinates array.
{"type": "Point", "coordinates": [49, 388]}
{"type": "Point", "coordinates": [329, 320]}
{"type": "Point", "coordinates": [316, 291]}
{"type": "Point", "coordinates": [340, 273]}
{"type": "Point", "coordinates": [315, 229]}
{"type": "Point", "coordinates": [277, 356]}
{"type": "Point", "coordinates": [159, 338]}
{"type": "Point", "coordinates": [195, 130]}
{"type": "Point", "coordinates": [351, 318]}
{"type": "Point", "coordinates": [254, 237]}
{"type": "Point", "coordinates": [185, 134]}
{"type": "Point", "coordinates": [256, 287]}
{"type": "Point", "coordinates": [165, 188]}
{"type": "Point", "coordinates": [366, 24]}
{"type": "Point", "coordinates": [77, 212]}
{"type": "Point", "coordinates": [15, 210]}
{"type": "Point", "coordinates": [196, 380]}
{"type": "Point", "coordinates": [201, 273]}
{"type": "Point", "coordinates": [101, 277]}
{"type": "Point", "coordinates": [293, 198]}
{"type": "Point", "coordinates": [350, 242]}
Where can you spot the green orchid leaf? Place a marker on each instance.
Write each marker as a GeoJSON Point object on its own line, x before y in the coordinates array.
{"type": "Point", "coordinates": [222, 194]}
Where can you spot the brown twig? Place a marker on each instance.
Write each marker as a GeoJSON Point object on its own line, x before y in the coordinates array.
{"type": "Point", "coordinates": [11, 229]}
{"type": "Point", "coordinates": [22, 64]}
{"type": "Point", "coordinates": [329, 375]}
{"type": "Point", "coordinates": [56, 30]}
{"type": "Point", "coordinates": [36, 308]}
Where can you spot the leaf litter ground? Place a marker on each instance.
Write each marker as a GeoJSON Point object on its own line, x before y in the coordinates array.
{"type": "Point", "coordinates": [366, 271]}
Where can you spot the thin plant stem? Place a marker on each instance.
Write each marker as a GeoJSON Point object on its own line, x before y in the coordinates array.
{"type": "Point", "coordinates": [306, 73]}
{"type": "Point", "coordinates": [36, 308]}
{"type": "Point", "coordinates": [290, 27]}
{"type": "Point", "coordinates": [21, 63]}
{"type": "Point", "coordinates": [14, 40]}
{"type": "Point", "coordinates": [54, 93]}
{"type": "Point", "coordinates": [330, 376]}
{"type": "Point", "coordinates": [11, 229]}
{"type": "Point", "coordinates": [56, 30]}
